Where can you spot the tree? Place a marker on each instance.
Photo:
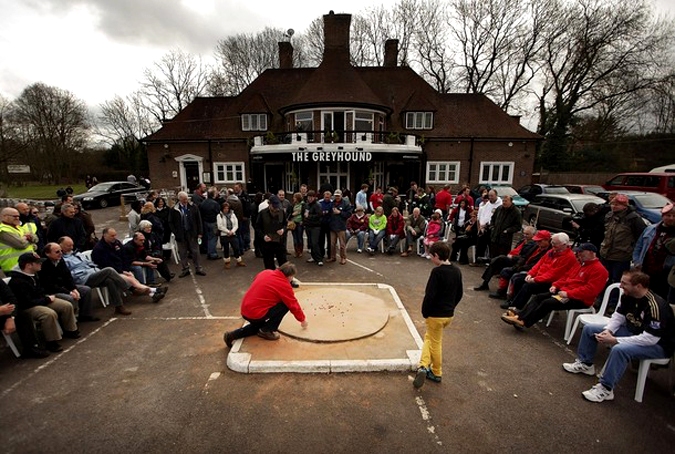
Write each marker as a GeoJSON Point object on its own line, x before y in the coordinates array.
{"type": "Point", "coordinates": [430, 47]}
{"type": "Point", "coordinates": [10, 145]}
{"type": "Point", "coordinates": [597, 53]}
{"type": "Point", "coordinates": [53, 124]}
{"type": "Point", "coordinates": [172, 83]}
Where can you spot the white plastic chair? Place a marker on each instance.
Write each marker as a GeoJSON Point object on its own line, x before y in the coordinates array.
{"type": "Point", "coordinates": [173, 247]}
{"type": "Point", "coordinates": [571, 313]}
{"type": "Point", "coordinates": [103, 294]}
{"type": "Point", "coordinates": [598, 317]}
{"type": "Point", "coordinates": [8, 338]}
{"type": "Point", "coordinates": [643, 369]}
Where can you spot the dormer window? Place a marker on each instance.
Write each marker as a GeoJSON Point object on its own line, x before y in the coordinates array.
{"type": "Point", "coordinates": [419, 120]}
{"type": "Point", "coordinates": [254, 122]}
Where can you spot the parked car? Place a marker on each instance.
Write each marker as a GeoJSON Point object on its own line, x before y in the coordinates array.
{"type": "Point", "coordinates": [105, 194]}
{"type": "Point", "coordinates": [553, 211]}
{"type": "Point", "coordinates": [660, 183]}
{"type": "Point", "coordinates": [518, 201]}
{"type": "Point", "coordinates": [592, 189]}
{"type": "Point", "coordinates": [647, 204]}
{"type": "Point", "coordinates": [530, 191]}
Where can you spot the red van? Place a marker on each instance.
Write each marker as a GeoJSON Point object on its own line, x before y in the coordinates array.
{"type": "Point", "coordinates": [661, 183]}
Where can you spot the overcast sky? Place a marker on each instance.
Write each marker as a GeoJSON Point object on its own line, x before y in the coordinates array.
{"type": "Point", "coordinates": [98, 48]}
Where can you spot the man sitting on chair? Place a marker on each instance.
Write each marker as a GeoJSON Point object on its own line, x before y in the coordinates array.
{"type": "Point", "coordinates": [642, 327]}
{"type": "Point", "coordinates": [574, 291]}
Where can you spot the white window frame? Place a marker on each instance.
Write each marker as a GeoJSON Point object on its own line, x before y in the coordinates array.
{"type": "Point", "coordinates": [419, 120]}
{"type": "Point", "coordinates": [434, 168]}
{"type": "Point", "coordinates": [496, 172]}
{"type": "Point", "coordinates": [238, 170]}
{"type": "Point", "coordinates": [254, 122]}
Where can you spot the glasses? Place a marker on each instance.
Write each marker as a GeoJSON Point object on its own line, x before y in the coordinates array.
{"type": "Point", "coordinates": [57, 252]}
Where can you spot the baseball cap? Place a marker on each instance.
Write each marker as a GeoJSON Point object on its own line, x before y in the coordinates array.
{"type": "Point", "coordinates": [542, 235]}
{"type": "Point", "coordinates": [29, 257]}
{"type": "Point", "coordinates": [338, 192]}
{"type": "Point", "coordinates": [667, 209]}
{"type": "Point", "coordinates": [274, 201]}
{"type": "Point", "coordinates": [586, 247]}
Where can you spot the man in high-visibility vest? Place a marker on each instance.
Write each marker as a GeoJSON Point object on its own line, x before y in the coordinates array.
{"type": "Point", "coordinates": [14, 239]}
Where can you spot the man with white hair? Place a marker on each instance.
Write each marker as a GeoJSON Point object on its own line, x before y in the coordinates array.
{"type": "Point", "coordinates": [553, 266]}
{"type": "Point", "coordinates": [185, 223]}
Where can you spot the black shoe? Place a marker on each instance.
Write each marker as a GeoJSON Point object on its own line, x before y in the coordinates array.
{"type": "Point", "coordinates": [87, 318]}
{"type": "Point", "coordinates": [201, 272]}
{"type": "Point", "coordinates": [482, 286]}
{"type": "Point", "coordinates": [228, 337]}
{"type": "Point", "coordinates": [72, 334]}
{"type": "Point", "coordinates": [54, 347]}
{"type": "Point", "coordinates": [185, 272]}
{"type": "Point", "coordinates": [172, 275]}
{"type": "Point", "coordinates": [295, 284]}
{"type": "Point", "coordinates": [157, 296]}
{"type": "Point", "coordinates": [420, 377]}
{"type": "Point", "coordinates": [213, 258]}
{"type": "Point", "coordinates": [506, 304]}
{"type": "Point", "coordinates": [497, 296]}
{"type": "Point", "coordinates": [34, 352]}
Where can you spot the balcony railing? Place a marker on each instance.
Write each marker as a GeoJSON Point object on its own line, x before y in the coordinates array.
{"type": "Point", "coordinates": [337, 137]}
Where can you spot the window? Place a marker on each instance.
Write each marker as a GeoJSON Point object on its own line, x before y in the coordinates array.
{"type": "Point", "coordinates": [442, 172]}
{"type": "Point", "coordinates": [419, 120]}
{"type": "Point", "coordinates": [496, 172]}
{"type": "Point", "coordinates": [254, 122]}
{"type": "Point", "coordinates": [363, 121]}
{"type": "Point", "coordinates": [304, 121]}
{"type": "Point", "coordinates": [229, 172]}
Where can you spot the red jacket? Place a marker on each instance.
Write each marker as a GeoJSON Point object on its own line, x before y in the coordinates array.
{"type": "Point", "coordinates": [269, 288]}
{"type": "Point", "coordinates": [356, 224]}
{"type": "Point", "coordinates": [443, 200]}
{"type": "Point", "coordinates": [395, 225]}
{"type": "Point", "coordinates": [586, 284]}
{"type": "Point", "coordinates": [554, 265]}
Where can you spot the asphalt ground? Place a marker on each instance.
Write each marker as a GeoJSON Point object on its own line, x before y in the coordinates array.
{"type": "Point", "coordinates": [157, 381]}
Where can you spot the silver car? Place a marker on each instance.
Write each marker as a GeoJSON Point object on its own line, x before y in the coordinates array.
{"type": "Point", "coordinates": [549, 211]}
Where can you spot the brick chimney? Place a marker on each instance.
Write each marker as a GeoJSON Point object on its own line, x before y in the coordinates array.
{"type": "Point", "coordinates": [391, 53]}
{"type": "Point", "coordinates": [336, 38]}
{"type": "Point", "coordinates": [285, 55]}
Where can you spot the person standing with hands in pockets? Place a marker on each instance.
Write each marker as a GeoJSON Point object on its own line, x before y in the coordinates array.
{"type": "Point", "coordinates": [443, 292]}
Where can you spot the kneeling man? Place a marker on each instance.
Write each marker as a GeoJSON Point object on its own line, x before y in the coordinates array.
{"type": "Point", "coordinates": [265, 304]}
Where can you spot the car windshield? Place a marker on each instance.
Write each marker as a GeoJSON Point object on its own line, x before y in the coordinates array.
{"type": "Point", "coordinates": [101, 187]}
{"type": "Point", "coordinates": [594, 189]}
{"type": "Point", "coordinates": [505, 190]}
{"type": "Point", "coordinates": [579, 203]}
{"type": "Point", "coordinates": [556, 190]}
{"type": "Point", "coordinates": [653, 201]}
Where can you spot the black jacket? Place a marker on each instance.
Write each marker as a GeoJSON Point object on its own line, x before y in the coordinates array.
{"type": "Point", "coordinates": [65, 226]}
{"type": "Point", "coordinates": [505, 222]}
{"type": "Point", "coordinates": [56, 278]}
{"type": "Point", "coordinates": [193, 221]}
{"type": "Point", "coordinates": [28, 290]}
{"type": "Point", "coordinates": [109, 255]}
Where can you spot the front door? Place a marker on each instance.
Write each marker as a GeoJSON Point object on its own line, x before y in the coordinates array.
{"type": "Point", "coordinates": [191, 174]}
{"type": "Point", "coordinates": [274, 177]}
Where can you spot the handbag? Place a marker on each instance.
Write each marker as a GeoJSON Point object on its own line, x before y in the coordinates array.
{"type": "Point", "coordinates": [290, 225]}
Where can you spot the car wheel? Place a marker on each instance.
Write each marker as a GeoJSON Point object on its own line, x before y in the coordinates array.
{"type": "Point", "coordinates": [103, 203]}
{"type": "Point", "coordinates": [533, 220]}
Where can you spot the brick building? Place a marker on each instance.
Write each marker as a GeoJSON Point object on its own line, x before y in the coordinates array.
{"type": "Point", "coordinates": [342, 124]}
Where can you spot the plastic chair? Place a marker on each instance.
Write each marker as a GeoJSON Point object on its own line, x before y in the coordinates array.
{"type": "Point", "coordinates": [598, 317]}
{"type": "Point", "coordinates": [102, 292]}
{"type": "Point", "coordinates": [8, 338]}
{"type": "Point", "coordinates": [173, 247]}
{"type": "Point", "coordinates": [571, 313]}
{"type": "Point", "coordinates": [643, 369]}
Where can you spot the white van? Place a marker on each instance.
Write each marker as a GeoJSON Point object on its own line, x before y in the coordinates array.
{"type": "Point", "coordinates": [668, 169]}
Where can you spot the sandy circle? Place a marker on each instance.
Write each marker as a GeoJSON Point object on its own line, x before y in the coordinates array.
{"type": "Point", "coordinates": [336, 314]}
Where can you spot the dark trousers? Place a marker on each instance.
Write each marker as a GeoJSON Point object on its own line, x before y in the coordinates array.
{"type": "Point", "coordinates": [188, 245]}
{"type": "Point", "coordinates": [244, 235]}
{"type": "Point", "coordinates": [539, 306]}
{"type": "Point", "coordinates": [526, 292]}
{"type": "Point", "coordinates": [497, 250]}
{"type": "Point", "coordinates": [227, 241]}
{"type": "Point", "coordinates": [313, 235]}
{"type": "Point", "coordinates": [324, 238]}
{"type": "Point", "coordinates": [482, 242]}
{"type": "Point", "coordinates": [272, 250]}
{"type": "Point", "coordinates": [270, 322]}
{"type": "Point", "coordinates": [497, 264]}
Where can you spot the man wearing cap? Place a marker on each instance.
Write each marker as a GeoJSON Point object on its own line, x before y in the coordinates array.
{"type": "Point", "coordinates": [14, 240]}
{"type": "Point", "coordinates": [623, 227]}
{"type": "Point", "coordinates": [48, 310]}
{"type": "Point", "coordinates": [341, 211]}
{"type": "Point", "coordinates": [271, 224]}
{"type": "Point", "coordinates": [573, 291]}
{"type": "Point", "coordinates": [651, 253]}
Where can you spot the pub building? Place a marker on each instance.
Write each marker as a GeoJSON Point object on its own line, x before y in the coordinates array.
{"type": "Point", "coordinates": [341, 124]}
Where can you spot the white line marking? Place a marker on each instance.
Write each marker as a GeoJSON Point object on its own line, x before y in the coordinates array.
{"type": "Point", "coordinates": [364, 267]}
{"type": "Point", "coordinates": [426, 416]}
{"type": "Point", "coordinates": [200, 296]}
{"type": "Point", "coordinates": [213, 317]}
{"type": "Point", "coordinates": [55, 359]}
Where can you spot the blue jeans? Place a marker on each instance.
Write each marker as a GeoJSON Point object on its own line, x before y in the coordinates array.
{"type": "Point", "coordinates": [374, 240]}
{"type": "Point", "coordinates": [144, 275]}
{"type": "Point", "coordinates": [392, 242]}
{"type": "Point", "coordinates": [211, 234]}
{"type": "Point", "coordinates": [619, 356]}
{"type": "Point", "coordinates": [360, 237]}
{"type": "Point", "coordinates": [244, 235]}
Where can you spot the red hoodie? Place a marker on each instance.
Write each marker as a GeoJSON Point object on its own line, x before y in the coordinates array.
{"type": "Point", "coordinates": [586, 284]}
{"type": "Point", "coordinates": [554, 265]}
{"type": "Point", "coordinates": [269, 288]}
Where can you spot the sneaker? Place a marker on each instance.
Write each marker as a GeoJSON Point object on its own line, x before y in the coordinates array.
{"type": "Point", "coordinates": [598, 393]}
{"type": "Point", "coordinates": [157, 296]}
{"type": "Point", "coordinates": [358, 251]}
{"type": "Point", "coordinates": [228, 337]}
{"type": "Point", "coordinates": [310, 260]}
{"type": "Point", "coordinates": [370, 250]}
{"type": "Point", "coordinates": [577, 367]}
{"type": "Point", "coordinates": [295, 283]}
{"type": "Point", "coordinates": [420, 376]}
{"type": "Point", "coordinates": [268, 335]}
{"type": "Point", "coordinates": [121, 310]}
{"type": "Point", "coordinates": [433, 377]}
{"type": "Point", "coordinates": [320, 263]}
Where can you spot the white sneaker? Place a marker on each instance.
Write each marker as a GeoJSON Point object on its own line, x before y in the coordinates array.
{"type": "Point", "coordinates": [598, 393]}
{"type": "Point", "coordinates": [310, 260]}
{"type": "Point", "coordinates": [577, 367]}
{"type": "Point", "coordinates": [359, 251]}
{"type": "Point", "coordinates": [320, 263]}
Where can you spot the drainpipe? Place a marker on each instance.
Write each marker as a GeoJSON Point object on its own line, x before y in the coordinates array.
{"type": "Point", "coordinates": [210, 164]}
{"type": "Point", "coordinates": [471, 161]}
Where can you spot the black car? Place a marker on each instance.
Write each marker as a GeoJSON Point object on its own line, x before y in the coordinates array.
{"type": "Point", "coordinates": [530, 191]}
{"type": "Point", "coordinates": [109, 193]}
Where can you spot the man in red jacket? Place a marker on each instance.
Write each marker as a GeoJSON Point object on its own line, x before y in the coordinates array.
{"type": "Point", "coordinates": [267, 301]}
{"type": "Point", "coordinates": [575, 291]}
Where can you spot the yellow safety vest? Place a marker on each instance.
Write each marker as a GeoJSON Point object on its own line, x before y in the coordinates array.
{"type": "Point", "coordinates": [9, 256]}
